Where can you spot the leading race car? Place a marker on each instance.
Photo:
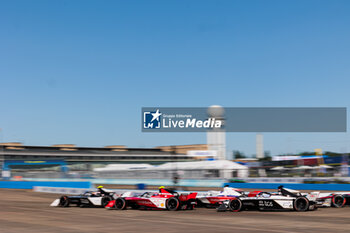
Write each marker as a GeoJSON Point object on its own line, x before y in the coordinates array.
{"type": "Point", "coordinates": [164, 199]}
{"type": "Point", "coordinates": [284, 199]}
{"type": "Point", "coordinates": [99, 198]}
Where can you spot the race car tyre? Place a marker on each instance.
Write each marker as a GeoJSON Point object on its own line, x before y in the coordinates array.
{"type": "Point", "coordinates": [64, 201]}
{"type": "Point", "coordinates": [105, 200]}
{"type": "Point", "coordinates": [172, 204]}
{"type": "Point", "coordinates": [338, 201]}
{"type": "Point", "coordinates": [301, 204]}
{"type": "Point", "coordinates": [235, 205]}
{"type": "Point", "coordinates": [120, 204]}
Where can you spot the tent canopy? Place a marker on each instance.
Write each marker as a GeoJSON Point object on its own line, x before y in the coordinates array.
{"type": "Point", "coordinates": [303, 168]}
{"type": "Point", "coordinates": [197, 165]}
{"type": "Point", "coordinates": [324, 166]}
{"type": "Point", "coordinates": [118, 166]}
{"type": "Point", "coordinates": [209, 165]}
{"type": "Point", "coordinates": [278, 168]}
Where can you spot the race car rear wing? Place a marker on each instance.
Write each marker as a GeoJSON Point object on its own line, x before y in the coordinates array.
{"type": "Point", "coordinates": [186, 197]}
{"type": "Point", "coordinates": [289, 192]}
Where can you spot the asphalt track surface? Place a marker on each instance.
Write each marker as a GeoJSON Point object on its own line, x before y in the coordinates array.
{"type": "Point", "coordinates": [27, 211]}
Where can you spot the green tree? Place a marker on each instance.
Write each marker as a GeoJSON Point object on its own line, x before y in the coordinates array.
{"type": "Point", "coordinates": [330, 153]}
{"type": "Point", "coordinates": [267, 156]}
{"type": "Point", "coordinates": [307, 153]}
{"type": "Point", "coordinates": [238, 155]}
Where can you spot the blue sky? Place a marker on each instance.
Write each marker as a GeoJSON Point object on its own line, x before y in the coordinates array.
{"type": "Point", "coordinates": [80, 71]}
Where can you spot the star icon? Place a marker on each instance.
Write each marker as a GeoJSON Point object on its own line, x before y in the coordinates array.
{"type": "Point", "coordinates": [156, 115]}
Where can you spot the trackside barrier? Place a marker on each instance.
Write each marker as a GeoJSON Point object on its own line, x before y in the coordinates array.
{"type": "Point", "coordinates": [31, 184]}
{"type": "Point", "coordinates": [156, 182]}
{"type": "Point", "coordinates": [79, 191]}
{"type": "Point", "coordinates": [291, 179]}
{"type": "Point", "coordinates": [188, 183]}
{"type": "Point", "coordinates": [42, 189]}
{"type": "Point", "coordinates": [334, 187]}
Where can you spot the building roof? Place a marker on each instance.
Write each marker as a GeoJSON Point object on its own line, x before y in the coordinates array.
{"type": "Point", "coordinates": [118, 166]}
{"type": "Point", "coordinates": [213, 164]}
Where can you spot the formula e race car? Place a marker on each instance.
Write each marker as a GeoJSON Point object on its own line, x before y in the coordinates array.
{"type": "Point", "coordinates": [337, 200]}
{"type": "Point", "coordinates": [164, 199]}
{"type": "Point", "coordinates": [88, 199]}
{"type": "Point", "coordinates": [284, 199]}
{"type": "Point", "coordinates": [213, 199]}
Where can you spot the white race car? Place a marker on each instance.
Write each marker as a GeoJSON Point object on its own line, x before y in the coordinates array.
{"type": "Point", "coordinates": [336, 199]}
{"type": "Point", "coordinates": [99, 198]}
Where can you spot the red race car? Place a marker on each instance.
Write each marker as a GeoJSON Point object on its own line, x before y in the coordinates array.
{"type": "Point", "coordinates": [164, 199]}
{"type": "Point", "coordinates": [215, 198]}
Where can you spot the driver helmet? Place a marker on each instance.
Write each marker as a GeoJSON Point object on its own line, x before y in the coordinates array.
{"type": "Point", "coordinates": [266, 195]}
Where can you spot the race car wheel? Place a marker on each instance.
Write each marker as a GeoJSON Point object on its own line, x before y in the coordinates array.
{"type": "Point", "coordinates": [105, 200]}
{"type": "Point", "coordinates": [64, 201]}
{"type": "Point", "coordinates": [172, 204]}
{"type": "Point", "coordinates": [338, 201]}
{"type": "Point", "coordinates": [120, 204]}
{"type": "Point", "coordinates": [301, 204]}
{"type": "Point", "coordinates": [235, 205]}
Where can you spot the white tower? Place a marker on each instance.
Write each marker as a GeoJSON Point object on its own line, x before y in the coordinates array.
{"type": "Point", "coordinates": [259, 146]}
{"type": "Point", "coordinates": [216, 138]}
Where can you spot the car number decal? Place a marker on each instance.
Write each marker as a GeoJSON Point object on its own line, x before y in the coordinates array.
{"type": "Point", "coordinates": [266, 203]}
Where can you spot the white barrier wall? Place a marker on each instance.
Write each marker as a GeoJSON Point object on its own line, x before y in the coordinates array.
{"type": "Point", "coordinates": [59, 190]}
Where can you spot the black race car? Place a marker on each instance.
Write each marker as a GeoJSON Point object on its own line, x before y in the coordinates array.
{"type": "Point", "coordinates": [87, 199]}
{"type": "Point", "coordinates": [284, 199]}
